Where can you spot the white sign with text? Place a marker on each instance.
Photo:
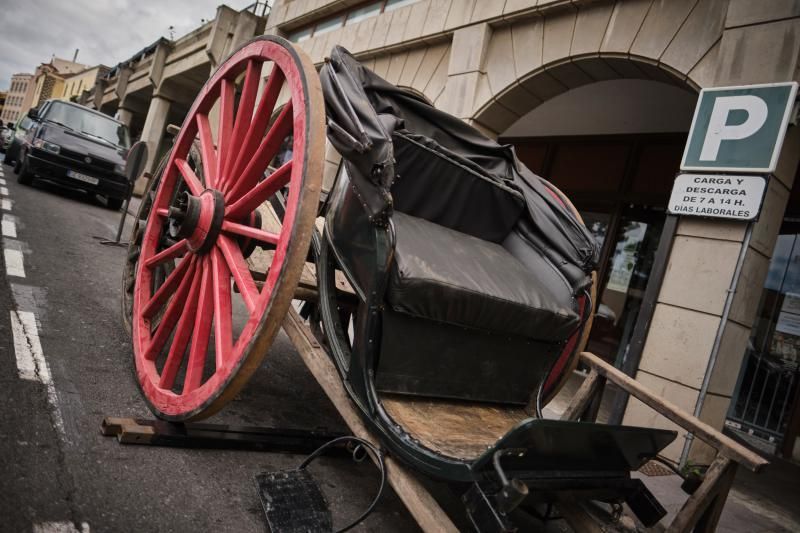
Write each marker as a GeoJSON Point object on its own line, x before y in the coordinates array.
{"type": "Point", "coordinates": [717, 196]}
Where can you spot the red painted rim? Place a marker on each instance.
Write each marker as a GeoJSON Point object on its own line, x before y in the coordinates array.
{"type": "Point", "coordinates": [564, 364]}
{"type": "Point", "coordinates": [189, 360]}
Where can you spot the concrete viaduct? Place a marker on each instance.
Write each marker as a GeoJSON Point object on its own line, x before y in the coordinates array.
{"type": "Point", "coordinates": [158, 84]}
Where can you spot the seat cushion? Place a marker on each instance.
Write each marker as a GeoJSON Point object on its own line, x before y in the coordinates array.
{"type": "Point", "coordinates": [447, 276]}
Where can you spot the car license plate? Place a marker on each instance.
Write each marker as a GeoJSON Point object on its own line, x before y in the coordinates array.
{"type": "Point", "coordinates": [82, 177]}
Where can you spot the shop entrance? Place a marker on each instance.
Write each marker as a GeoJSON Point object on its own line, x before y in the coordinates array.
{"type": "Point", "coordinates": [621, 185]}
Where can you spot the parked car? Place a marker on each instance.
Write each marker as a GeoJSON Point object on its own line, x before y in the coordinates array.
{"type": "Point", "coordinates": [77, 147]}
{"type": "Point", "coordinates": [15, 141]}
{"type": "Point", "coordinates": [6, 134]}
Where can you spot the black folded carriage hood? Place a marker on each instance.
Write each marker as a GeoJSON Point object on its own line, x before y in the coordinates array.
{"type": "Point", "coordinates": [363, 112]}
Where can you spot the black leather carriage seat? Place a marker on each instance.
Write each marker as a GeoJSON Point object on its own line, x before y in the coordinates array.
{"type": "Point", "coordinates": [450, 277]}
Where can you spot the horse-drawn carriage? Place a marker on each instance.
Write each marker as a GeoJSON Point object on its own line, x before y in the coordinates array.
{"type": "Point", "coordinates": [451, 288]}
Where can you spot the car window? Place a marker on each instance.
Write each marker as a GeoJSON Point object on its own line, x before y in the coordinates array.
{"type": "Point", "coordinates": [88, 123]}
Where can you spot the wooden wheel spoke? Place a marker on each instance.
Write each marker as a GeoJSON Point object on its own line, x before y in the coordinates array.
{"type": "Point", "coordinates": [269, 97]}
{"type": "Point", "coordinates": [183, 333]}
{"type": "Point", "coordinates": [191, 179]}
{"type": "Point", "coordinates": [208, 152]}
{"type": "Point", "coordinates": [223, 329]}
{"type": "Point", "coordinates": [244, 113]}
{"type": "Point", "coordinates": [167, 254]}
{"type": "Point", "coordinates": [202, 330]}
{"type": "Point", "coordinates": [266, 151]}
{"type": "Point", "coordinates": [261, 192]}
{"type": "Point", "coordinates": [171, 315]}
{"type": "Point", "coordinates": [224, 129]}
{"type": "Point", "coordinates": [251, 232]}
{"type": "Point", "coordinates": [167, 288]}
{"type": "Point", "coordinates": [240, 271]}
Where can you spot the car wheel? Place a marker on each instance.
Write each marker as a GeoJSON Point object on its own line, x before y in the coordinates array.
{"type": "Point", "coordinates": [23, 174]}
{"type": "Point", "coordinates": [114, 203]}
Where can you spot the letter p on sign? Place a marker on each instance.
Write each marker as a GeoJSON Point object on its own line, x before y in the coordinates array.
{"type": "Point", "coordinates": [739, 128]}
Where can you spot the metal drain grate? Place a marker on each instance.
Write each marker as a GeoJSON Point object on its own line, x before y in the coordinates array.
{"type": "Point", "coordinates": [654, 468]}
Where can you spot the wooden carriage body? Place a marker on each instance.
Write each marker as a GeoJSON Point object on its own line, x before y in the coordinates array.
{"type": "Point", "coordinates": [452, 289]}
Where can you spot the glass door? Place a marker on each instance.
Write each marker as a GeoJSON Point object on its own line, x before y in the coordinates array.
{"type": "Point", "coordinates": [624, 279]}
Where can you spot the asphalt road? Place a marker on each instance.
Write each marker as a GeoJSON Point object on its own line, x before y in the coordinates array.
{"type": "Point", "coordinates": [57, 472]}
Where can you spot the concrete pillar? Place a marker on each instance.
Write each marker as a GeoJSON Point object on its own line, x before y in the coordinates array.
{"type": "Point", "coordinates": [125, 116]}
{"type": "Point", "coordinates": [156, 73]}
{"type": "Point", "coordinates": [121, 88]}
{"type": "Point", "coordinates": [152, 134]}
{"type": "Point", "coordinates": [221, 34]}
{"type": "Point", "coordinates": [694, 351]}
{"type": "Point", "coordinates": [465, 68]}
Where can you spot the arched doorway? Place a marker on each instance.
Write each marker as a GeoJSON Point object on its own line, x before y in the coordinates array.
{"type": "Point", "coordinates": [614, 146]}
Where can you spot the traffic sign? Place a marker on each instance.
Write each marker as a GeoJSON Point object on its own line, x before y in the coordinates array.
{"type": "Point", "coordinates": [739, 129]}
{"type": "Point", "coordinates": [729, 196]}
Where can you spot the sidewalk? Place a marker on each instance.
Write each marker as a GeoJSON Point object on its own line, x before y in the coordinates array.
{"type": "Point", "coordinates": [768, 502]}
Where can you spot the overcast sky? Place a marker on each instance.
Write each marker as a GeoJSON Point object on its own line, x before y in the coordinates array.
{"type": "Point", "coordinates": [106, 31]}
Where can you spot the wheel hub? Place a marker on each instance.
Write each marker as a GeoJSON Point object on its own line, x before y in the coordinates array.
{"type": "Point", "coordinates": [198, 219]}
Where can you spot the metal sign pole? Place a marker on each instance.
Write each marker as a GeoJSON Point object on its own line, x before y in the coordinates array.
{"type": "Point", "coordinates": [137, 158]}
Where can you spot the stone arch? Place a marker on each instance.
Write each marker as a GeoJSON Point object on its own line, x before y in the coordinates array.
{"type": "Point", "coordinates": [524, 61]}
{"type": "Point", "coordinates": [496, 112]}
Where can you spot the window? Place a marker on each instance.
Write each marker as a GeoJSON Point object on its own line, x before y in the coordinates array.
{"type": "Point", "coordinates": [370, 10]}
{"type": "Point", "coordinates": [329, 25]}
{"type": "Point", "coordinates": [391, 5]}
{"type": "Point", "coordinates": [88, 123]}
{"type": "Point", "coordinates": [302, 35]}
{"type": "Point", "coordinates": [345, 18]}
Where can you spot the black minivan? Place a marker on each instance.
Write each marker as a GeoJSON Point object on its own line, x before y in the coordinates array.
{"type": "Point", "coordinates": [74, 146]}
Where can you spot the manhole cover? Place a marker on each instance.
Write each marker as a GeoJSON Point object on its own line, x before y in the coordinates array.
{"type": "Point", "coordinates": [653, 469]}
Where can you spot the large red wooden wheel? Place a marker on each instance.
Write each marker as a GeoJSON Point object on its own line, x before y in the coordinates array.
{"type": "Point", "coordinates": [203, 318]}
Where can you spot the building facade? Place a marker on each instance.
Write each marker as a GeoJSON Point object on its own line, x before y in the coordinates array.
{"type": "Point", "coordinates": [157, 85]}
{"type": "Point", "coordinates": [85, 80]}
{"type": "Point", "coordinates": [48, 81]}
{"type": "Point", "coordinates": [598, 97]}
{"type": "Point", "coordinates": [15, 101]}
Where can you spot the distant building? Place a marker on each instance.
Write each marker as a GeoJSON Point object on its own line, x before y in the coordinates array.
{"type": "Point", "coordinates": [15, 99]}
{"type": "Point", "coordinates": [3, 95]}
{"type": "Point", "coordinates": [83, 81]}
{"type": "Point", "coordinates": [48, 81]}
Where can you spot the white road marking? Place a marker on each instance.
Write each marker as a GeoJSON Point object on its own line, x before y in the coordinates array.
{"type": "Point", "coordinates": [4, 191]}
{"type": "Point", "coordinates": [27, 349]}
{"type": "Point", "coordinates": [5, 204]}
{"type": "Point", "coordinates": [14, 263]}
{"type": "Point", "coordinates": [60, 527]}
{"type": "Point", "coordinates": [8, 227]}
{"type": "Point", "coordinates": [31, 364]}
{"type": "Point", "coordinates": [2, 181]}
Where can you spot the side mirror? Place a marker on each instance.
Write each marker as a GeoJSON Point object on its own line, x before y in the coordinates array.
{"type": "Point", "coordinates": [33, 113]}
{"type": "Point", "coordinates": [136, 160]}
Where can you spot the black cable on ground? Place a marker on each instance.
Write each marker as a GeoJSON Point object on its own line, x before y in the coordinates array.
{"type": "Point", "coordinates": [380, 463]}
